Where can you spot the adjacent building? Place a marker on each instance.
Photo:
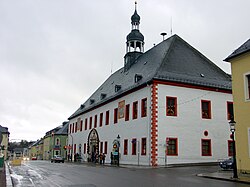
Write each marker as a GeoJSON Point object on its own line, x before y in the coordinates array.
{"type": "Point", "coordinates": [5, 141]}
{"type": "Point", "coordinates": [240, 65]}
{"type": "Point", "coordinates": [168, 105]}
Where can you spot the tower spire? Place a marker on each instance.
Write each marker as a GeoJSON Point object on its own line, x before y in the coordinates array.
{"type": "Point", "coordinates": [135, 41]}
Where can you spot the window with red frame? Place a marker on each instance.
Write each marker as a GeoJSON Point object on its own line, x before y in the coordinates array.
{"type": "Point", "coordinates": [125, 151]}
{"type": "Point", "coordinates": [143, 146]}
{"type": "Point", "coordinates": [86, 124]}
{"type": "Point", "coordinates": [81, 126]}
{"type": "Point", "coordinates": [84, 148]}
{"type": "Point", "coordinates": [95, 122]}
{"type": "Point", "coordinates": [230, 110]}
{"type": "Point", "coordinates": [90, 123]}
{"type": "Point", "coordinates": [206, 149]}
{"type": "Point", "coordinates": [206, 109]}
{"type": "Point", "coordinates": [144, 107]}
{"type": "Point", "coordinates": [70, 126]}
{"type": "Point", "coordinates": [135, 110]}
{"type": "Point", "coordinates": [74, 148]}
{"type": "Point", "coordinates": [230, 148]}
{"type": "Point", "coordinates": [171, 106]}
{"type": "Point", "coordinates": [107, 118]}
{"type": "Point", "coordinates": [73, 128]}
{"type": "Point", "coordinates": [101, 147]}
{"type": "Point", "coordinates": [172, 146]}
{"type": "Point", "coordinates": [115, 115]}
{"type": "Point", "coordinates": [127, 112]}
{"type": "Point", "coordinates": [134, 142]}
{"type": "Point", "coordinates": [105, 147]}
{"type": "Point", "coordinates": [101, 119]}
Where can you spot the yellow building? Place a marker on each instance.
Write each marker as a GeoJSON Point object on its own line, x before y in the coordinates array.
{"type": "Point", "coordinates": [240, 65]}
{"type": "Point", "coordinates": [5, 141]}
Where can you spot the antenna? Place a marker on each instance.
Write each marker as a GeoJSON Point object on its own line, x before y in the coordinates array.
{"type": "Point", "coordinates": [163, 35]}
{"type": "Point", "coordinates": [171, 26]}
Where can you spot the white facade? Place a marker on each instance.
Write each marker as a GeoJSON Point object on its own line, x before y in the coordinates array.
{"type": "Point", "coordinates": [188, 126]}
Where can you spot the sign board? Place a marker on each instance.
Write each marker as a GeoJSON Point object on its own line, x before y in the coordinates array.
{"type": "Point", "coordinates": [115, 153]}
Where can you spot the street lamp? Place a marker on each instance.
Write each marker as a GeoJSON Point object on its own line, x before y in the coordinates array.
{"type": "Point", "coordinates": [118, 146]}
{"type": "Point", "coordinates": [232, 124]}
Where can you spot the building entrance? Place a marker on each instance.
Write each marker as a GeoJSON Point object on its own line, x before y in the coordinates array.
{"type": "Point", "coordinates": [93, 146]}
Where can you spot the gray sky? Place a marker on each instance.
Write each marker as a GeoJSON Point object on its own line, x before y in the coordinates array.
{"type": "Point", "coordinates": [55, 53]}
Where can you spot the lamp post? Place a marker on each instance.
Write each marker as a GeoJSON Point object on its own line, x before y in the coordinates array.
{"type": "Point", "coordinates": [232, 124]}
{"type": "Point", "coordinates": [118, 149]}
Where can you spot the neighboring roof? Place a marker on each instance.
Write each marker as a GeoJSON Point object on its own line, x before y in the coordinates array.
{"type": "Point", "coordinates": [60, 130]}
{"type": "Point", "coordinates": [241, 50]}
{"type": "Point", "coordinates": [4, 130]}
{"type": "Point", "coordinates": [171, 60]}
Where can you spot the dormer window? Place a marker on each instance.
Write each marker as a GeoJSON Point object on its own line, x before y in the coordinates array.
{"type": "Point", "coordinates": [103, 95]}
{"type": "Point", "coordinates": [92, 101]}
{"type": "Point", "coordinates": [117, 88]}
{"type": "Point", "coordinates": [82, 106]}
{"type": "Point", "coordinates": [138, 77]}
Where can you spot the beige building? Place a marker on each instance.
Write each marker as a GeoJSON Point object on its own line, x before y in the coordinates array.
{"type": "Point", "coordinates": [5, 141]}
{"type": "Point", "coordinates": [240, 65]}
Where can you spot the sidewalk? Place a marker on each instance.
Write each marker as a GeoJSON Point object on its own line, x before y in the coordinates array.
{"type": "Point", "coordinates": [226, 175]}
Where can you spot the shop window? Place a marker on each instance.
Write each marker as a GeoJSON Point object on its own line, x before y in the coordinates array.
{"type": "Point", "coordinates": [230, 148]}
{"type": "Point", "coordinates": [171, 106]}
{"type": "Point", "coordinates": [144, 107]}
{"type": "Point", "coordinates": [230, 110]}
{"type": "Point", "coordinates": [206, 147]}
{"type": "Point", "coordinates": [107, 118]}
{"type": "Point", "coordinates": [135, 109]}
{"type": "Point", "coordinates": [125, 151]}
{"type": "Point", "coordinates": [101, 119]}
{"type": "Point", "coordinates": [143, 146]}
{"type": "Point", "coordinates": [115, 115]}
{"type": "Point", "coordinates": [172, 146]}
{"type": "Point", "coordinates": [127, 113]}
{"type": "Point", "coordinates": [206, 109]}
{"type": "Point", "coordinates": [134, 142]}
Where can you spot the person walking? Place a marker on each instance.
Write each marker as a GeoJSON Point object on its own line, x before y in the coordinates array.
{"type": "Point", "coordinates": [103, 159]}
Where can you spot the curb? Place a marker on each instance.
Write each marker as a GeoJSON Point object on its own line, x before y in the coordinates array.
{"type": "Point", "coordinates": [8, 177]}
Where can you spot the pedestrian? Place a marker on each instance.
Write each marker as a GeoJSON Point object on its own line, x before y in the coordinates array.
{"type": "Point", "coordinates": [111, 158]}
{"type": "Point", "coordinates": [103, 158]}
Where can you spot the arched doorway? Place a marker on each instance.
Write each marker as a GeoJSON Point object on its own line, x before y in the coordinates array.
{"type": "Point", "coordinates": [93, 144]}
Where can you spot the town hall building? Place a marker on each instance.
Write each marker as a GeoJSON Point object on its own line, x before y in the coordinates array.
{"type": "Point", "coordinates": [167, 105]}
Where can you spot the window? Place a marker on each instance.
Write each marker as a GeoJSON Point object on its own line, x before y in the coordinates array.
{"type": "Point", "coordinates": [57, 141]}
{"type": "Point", "coordinates": [86, 124]}
{"type": "Point", "coordinates": [125, 151]}
{"type": "Point", "coordinates": [73, 128]}
{"type": "Point", "coordinates": [143, 146]}
{"type": "Point", "coordinates": [95, 123]}
{"type": "Point", "coordinates": [90, 123]}
{"type": "Point", "coordinates": [230, 110]}
{"type": "Point", "coordinates": [134, 146]}
{"type": "Point", "coordinates": [247, 89]}
{"type": "Point", "coordinates": [172, 146]}
{"type": "Point", "coordinates": [101, 147]}
{"type": "Point", "coordinates": [135, 109]}
{"type": "Point", "coordinates": [206, 148]}
{"type": "Point", "coordinates": [127, 113]}
{"type": "Point", "coordinates": [101, 119]}
{"type": "Point", "coordinates": [115, 115]}
{"type": "Point", "coordinates": [107, 118]}
{"type": "Point", "coordinates": [144, 107]}
{"type": "Point", "coordinates": [70, 126]}
{"type": "Point", "coordinates": [171, 106]}
{"type": "Point", "coordinates": [206, 109]}
{"type": "Point", "coordinates": [81, 126]}
{"type": "Point", "coordinates": [105, 147]}
{"type": "Point", "coordinates": [74, 148]}
{"type": "Point", "coordinates": [230, 147]}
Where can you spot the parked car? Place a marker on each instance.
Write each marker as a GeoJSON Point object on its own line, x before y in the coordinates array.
{"type": "Point", "coordinates": [226, 164]}
{"type": "Point", "coordinates": [57, 158]}
{"type": "Point", "coordinates": [34, 158]}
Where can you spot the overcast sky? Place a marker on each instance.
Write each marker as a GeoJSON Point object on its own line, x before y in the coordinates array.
{"type": "Point", "coordinates": [55, 53]}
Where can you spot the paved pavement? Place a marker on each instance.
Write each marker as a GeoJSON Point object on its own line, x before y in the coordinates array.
{"type": "Point", "coordinates": [219, 175]}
